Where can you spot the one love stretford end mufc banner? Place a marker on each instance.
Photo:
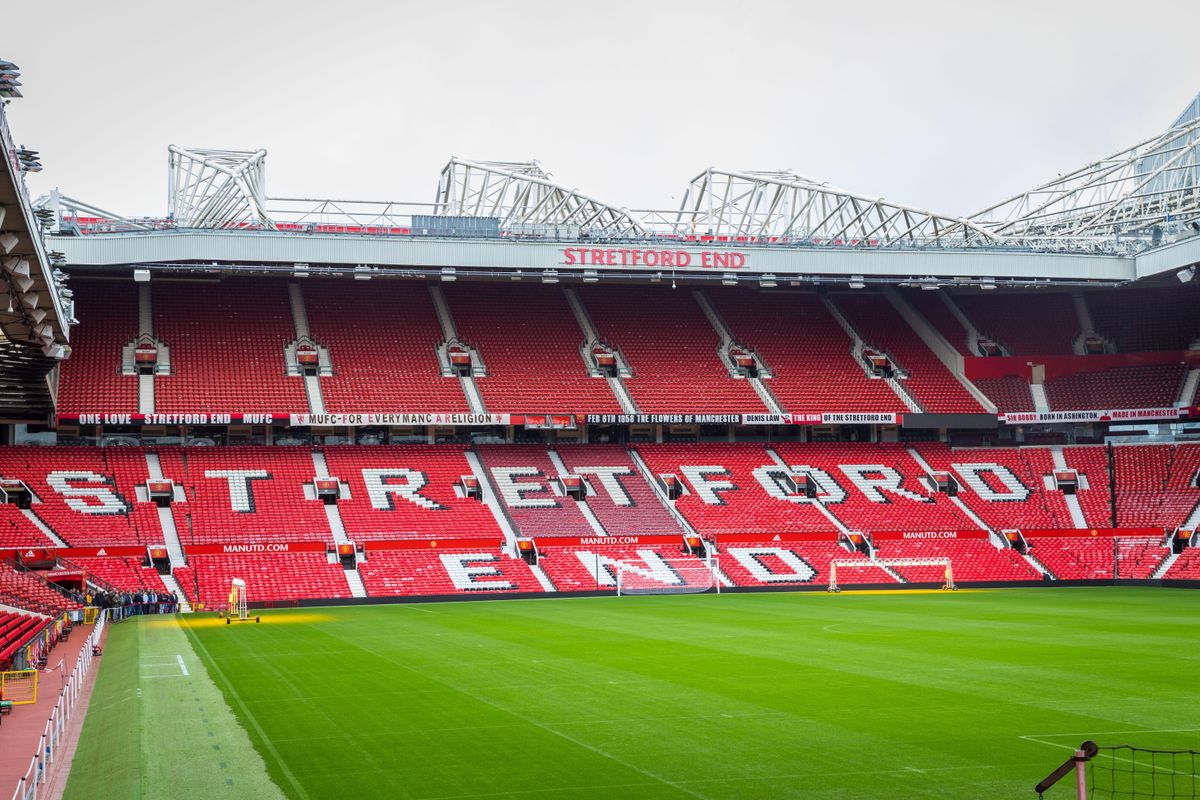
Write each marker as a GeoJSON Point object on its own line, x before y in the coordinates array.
{"type": "Point", "coordinates": [570, 421]}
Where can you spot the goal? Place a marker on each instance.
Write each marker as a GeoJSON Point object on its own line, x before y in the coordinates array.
{"type": "Point", "coordinates": [1126, 772]}
{"type": "Point", "coordinates": [944, 563]}
{"type": "Point", "coordinates": [681, 577]}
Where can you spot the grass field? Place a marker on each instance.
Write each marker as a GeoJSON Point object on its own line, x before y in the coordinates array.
{"type": "Point", "coordinates": [933, 695]}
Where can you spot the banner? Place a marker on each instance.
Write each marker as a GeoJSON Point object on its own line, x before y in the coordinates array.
{"type": "Point", "coordinates": [197, 418]}
{"type": "Point", "coordinates": [759, 538]}
{"type": "Point", "coordinates": [883, 536]}
{"type": "Point", "coordinates": [1114, 415]}
{"type": "Point", "coordinates": [361, 420]}
{"type": "Point", "coordinates": [839, 418]}
{"type": "Point", "coordinates": [474, 543]}
{"type": "Point", "coordinates": [1045, 533]}
{"type": "Point", "coordinates": [608, 541]}
{"type": "Point", "coordinates": [254, 548]}
{"type": "Point", "coordinates": [664, 419]}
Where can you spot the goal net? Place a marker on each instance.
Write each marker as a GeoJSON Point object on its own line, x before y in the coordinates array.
{"type": "Point", "coordinates": [1125, 772]}
{"type": "Point", "coordinates": [914, 570]}
{"type": "Point", "coordinates": [690, 576]}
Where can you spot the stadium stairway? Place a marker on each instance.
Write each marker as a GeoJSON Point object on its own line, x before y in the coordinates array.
{"type": "Point", "coordinates": [616, 383]}
{"type": "Point", "coordinates": [764, 392]}
{"type": "Point", "coordinates": [312, 382]}
{"type": "Point", "coordinates": [450, 331]}
{"type": "Point", "coordinates": [900, 391]}
{"type": "Point", "coordinates": [166, 516]}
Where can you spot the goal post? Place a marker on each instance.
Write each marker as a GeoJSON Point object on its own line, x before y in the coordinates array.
{"type": "Point", "coordinates": [684, 577]}
{"type": "Point", "coordinates": [1126, 772]}
{"type": "Point", "coordinates": [852, 564]}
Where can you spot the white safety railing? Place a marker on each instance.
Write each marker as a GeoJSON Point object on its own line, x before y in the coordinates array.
{"type": "Point", "coordinates": [32, 784]}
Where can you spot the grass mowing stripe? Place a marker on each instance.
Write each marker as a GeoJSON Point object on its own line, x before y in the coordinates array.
{"type": "Point", "coordinates": [529, 721]}
{"type": "Point", "coordinates": [911, 696]}
{"type": "Point", "coordinates": [215, 669]}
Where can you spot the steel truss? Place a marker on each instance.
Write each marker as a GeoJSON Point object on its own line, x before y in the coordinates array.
{"type": "Point", "coordinates": [1125, 202]}
{"type": "Point", "coordinates": [525, 200]}
{"type": "Point", "coordinates": [784, 206]}
{"type": "Point", "coordinates": [217, 188]}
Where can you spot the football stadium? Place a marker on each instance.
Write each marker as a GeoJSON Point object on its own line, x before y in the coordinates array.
{"type": "Point", "coordinates": [775, 489]}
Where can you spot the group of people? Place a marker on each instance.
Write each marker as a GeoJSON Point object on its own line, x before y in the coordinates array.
{"type": "Point", "coordinates": [121, 605]}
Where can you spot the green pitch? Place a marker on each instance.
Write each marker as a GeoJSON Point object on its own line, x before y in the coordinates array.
{"type": "Point", "coordinates": [937, 695]}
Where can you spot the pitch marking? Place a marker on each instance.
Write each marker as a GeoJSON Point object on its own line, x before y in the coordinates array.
{"type": "Point", "coordinates": [182, 667]}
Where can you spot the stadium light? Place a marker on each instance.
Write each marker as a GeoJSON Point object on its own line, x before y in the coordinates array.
{"type": "Point", "coordinates": [1186, 274]}
{"type": "Point", "coordinates": [516, 276]}
{"type": "Point", "coordinates": [550, 276]}
{"type": "Point", "coordinates": [141, 276]}
{"type": "Point", "coordinates": [656, 277]}
{"type": "Point", "coordinates": [16, 266]}
{"type": "Point", "coordinates": [300, 269]}
{"type": "Point", "coordinates": [591, 276]}
{"type": "Point", "coordinates": [857, 282]}
{"type": "Point", "coordinates": [768, 281]}
{"type": "Point", "coordinates": [988, 284]}
{"type": "Point", "coordinates": [4, 213]}
{"type": "Point", "coordinates": [7, 242]}
{"type": "Point", "coordinates": [37, 315]}
{"type": "Point", "coordinates": [449, 274]}
{"type": "Point", "coordinates": [55, 351]}
{"type": "Point", "coordinates": [729, 279]}
{"type": "Point", "coordinates": [30, 299]}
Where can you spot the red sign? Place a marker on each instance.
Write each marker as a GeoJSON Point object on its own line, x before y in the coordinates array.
{"type": "Point", "coordinates": [758, 538]}
{"type": "Point", "coordinates": [255, 548]}
{"type": "Point", "coordinates": [926, 535]}
{"type": "Point", "coordinates": [1109, 532]}
{"type": "Point", "coordinates": [608, 541]}
{"type": "Point", "coordinates": [451, 545]}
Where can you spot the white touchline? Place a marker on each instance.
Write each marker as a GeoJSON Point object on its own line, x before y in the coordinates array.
{"type": "Point", "coordinates": [182, 666]}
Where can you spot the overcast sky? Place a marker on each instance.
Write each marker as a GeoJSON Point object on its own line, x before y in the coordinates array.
{"type": "Point", "coordinates": [944, 105]}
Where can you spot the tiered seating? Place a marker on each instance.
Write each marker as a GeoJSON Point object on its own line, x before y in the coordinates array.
{"type": "Point", "coordinates": [127, 574]}
{"type": "Point", "coordinates": [665, 567]}
{"type": "Point", "coordinates": [91, 379]}
{"type": "Point", "coordinates": [1180, 496]}
{"type": "Point", "coordinates": [387, 359]}
{"type": "Point", "coordinates": [1027, 323]}
{"type": "Point", "coordinates": [913, 507]}
{"type": "Point", "coordinates": [442, 514]}
{"type": "Point", "coordinates": [809, 354]}
{"type": "Point", "coordinates": [269, 578]}
{"type": "Point", "coordinates": [744, 508]}
{"type": "Point", "coordinates": [1148, 386]}
{"type": "Point", "coordinates": [421, 572]}
{"type": "Point", "coordinates": [1186, 567]}
{"type": "Point", "coordinates": [536, 510]}
{"type": "Point", "coordinates": [760, 563]}
{"type": "Point", "coordinates": [226, 343]}
{"type": "Point", "coordinates": [16, 631]}
{"type": "Point", "coordinates": [533, 358]}
{"type": "Point", "coordinates": [81, 520]}
{"type": "Point", "coordinates": [999, 505]}
{"type": "Point", "coordinates": [128, 467]}
{"type": "Point", "coordinates": [1091, 557]}
{"type": "Point", "coordinates": [1096, 500]}
{"type": "Point", "coordinates": [25, 590]}
{"type": "Point", "coordinates": [672, 350]}
{"type": "Point", "coordinates": [267, 505]}
{"type": "Point", "coordinates": [17, 531]}
{"type": "Point", "coordinates": [971, 559]}
{"type": "Point", "coordinates": [881, 326]}
{"type": "Point", "coordinates": [1147, 320]}
{"type": "Point", "coordinates": [637, 509]}
{"type": "Point", "coordinates": [1141, 472]}
{"type": "Point", "coordinates": [1138, 558]}
{"type": "Point", "coordinates": [933, 308]}
{"type": "Point", "coordinates": [1010, 393]}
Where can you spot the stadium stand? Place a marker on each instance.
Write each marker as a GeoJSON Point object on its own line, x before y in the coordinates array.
{"type": "Point", "coordinates": [881, 487]}
{"type": "Point", "coordinates": [227, 347]}
{"type": "Point", "coordinates": [881, 326]}
{"type": "Point", "coordinates": [17, 630]}
{"type": "Point", "coordinates": [523, 476]}
{"type": "Point", "coordinates": [17, 531]}
{"type": "Point", "coordinates": [767, 562]}
{"type": "Point", "coordinates": [1095, 500]}
{"type": "Point", "coordinates": [278, 577]}
{"type": "Point", "coordinates": [91, 379]}
{"type": "Point", "coordinates": [1141, 320]}
{"type": "Point", "coordinates": [723, 493]}
{"type": "Point", "coordinates": [448, 572]}
{"type": "Point", "coordinates": [933, 308]}
{"type": "Point", "coordinates": [1092, 557]}
{"type": "Point", "coordinates": [533, 358]}
{"type": "Point", "coordinates": [407, 491]}
{"type": "Point", "coordinates": [245, 494]}
{"type": "Point", "coordinates": [810, 356]}
{"type": "Point", "coordinates": [1186, 567]}
{"type": "Point", "coordinates": [587, 569]}
{"type": "Point", "coordinates": [671, 348]}
{"type": "Point", "coordinates": [126, 574]}
{"type": "Point", "coordinates": [620, 497]}
{"type": "Point", "coordinates": [1010, 393]}
{"type": "Point", "coordinates": [387, 360]}
{"type": "Point", "coordinates": [26, 590]}
{"type": "Point", "coordinates": [1028, 323]}
{"type": "Point", "coordinates": [972, 560]}
{"type": "Point", "coordinates": [80, 500]}
{"type": "Point", "coordinates": [1147, 386]}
